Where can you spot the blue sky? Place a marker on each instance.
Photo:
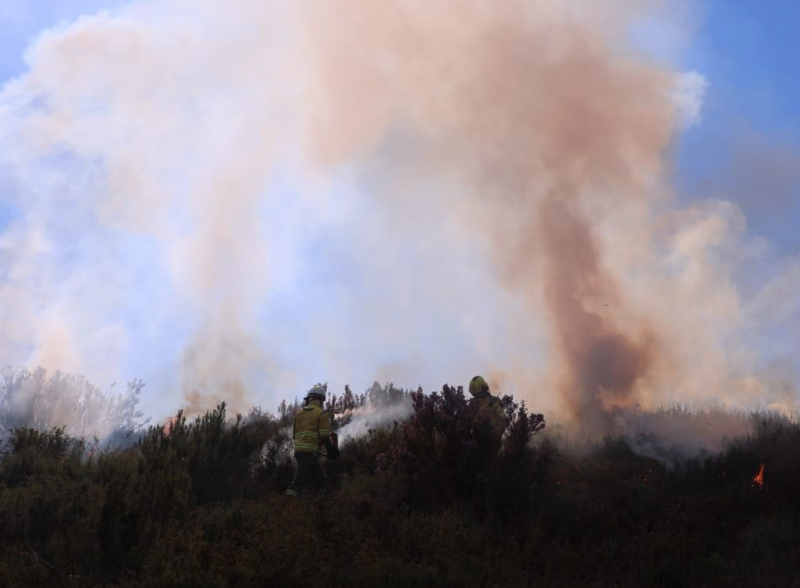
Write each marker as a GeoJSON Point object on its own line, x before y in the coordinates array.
{"type": "Point", "coordinates": [750, 54]}
{"type": "Point", "coordinates": [21, 20]}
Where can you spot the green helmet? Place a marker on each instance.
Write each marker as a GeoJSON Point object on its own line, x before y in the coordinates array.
{"type": "Point", "coordinates": [478, 385]}
{"type": "Point", "coordinates": [317, 392]}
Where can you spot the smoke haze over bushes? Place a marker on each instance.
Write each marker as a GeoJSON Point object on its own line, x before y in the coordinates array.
{"type": "Point", "coordinates": [234, 203]}
{"type": "Point", "coordinates": [40, 401]}
{"type": "Point", "coordinates": [377, 408]}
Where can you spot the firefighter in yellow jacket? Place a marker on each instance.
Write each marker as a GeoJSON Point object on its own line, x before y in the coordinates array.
{"type": "Point", "coordinates": [312, 429]}
{"type": "Point", "coordinates": [494, 408]}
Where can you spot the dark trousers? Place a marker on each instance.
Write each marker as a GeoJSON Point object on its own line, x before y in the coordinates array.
{"type": "Point", "coordinates": [308, 473]}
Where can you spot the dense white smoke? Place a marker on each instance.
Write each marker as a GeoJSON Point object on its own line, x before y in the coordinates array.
{"type": "Point", "coordinates": [372, 417]}
{"type": "Point", "coordinates": [232, 203]}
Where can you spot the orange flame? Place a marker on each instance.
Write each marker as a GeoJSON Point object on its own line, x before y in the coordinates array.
{"type": "Point", "coordinates": [759, 477]}
{"type": "Point", "coordinates": [168, 426]}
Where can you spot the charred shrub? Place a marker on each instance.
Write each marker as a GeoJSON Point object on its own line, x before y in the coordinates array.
{"type": "Point", "coordinates": [451, 450]}
{"type": "Point", "coordinates": [32, 452]}
{"type": "Point", "coordinates": [219, 456]}
{"type": "Point", "coordinates": [437, 450]}
{"type": "Point", "coordinates": [516, 477]}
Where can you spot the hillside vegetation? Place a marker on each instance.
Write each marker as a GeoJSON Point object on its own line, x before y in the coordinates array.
{"type": "Point", "coordinates": [418, 502]}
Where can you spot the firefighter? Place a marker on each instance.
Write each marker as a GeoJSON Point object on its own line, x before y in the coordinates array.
{"type": "Point", "coordinates": [490, 412]}
{"type": "Point", "coordinates": [312, 429]}
{"type": "Point", "coordinates": [493, 407]}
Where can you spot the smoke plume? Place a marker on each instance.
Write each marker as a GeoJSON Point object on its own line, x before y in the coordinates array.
{"type": "Point", "coordinates": [243, 201]}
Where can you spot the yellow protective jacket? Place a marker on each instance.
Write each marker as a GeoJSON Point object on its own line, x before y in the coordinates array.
{"type": "Point", "coordinates": [492, 404]}
{"type": "Point", "coordinates": [312, 426]}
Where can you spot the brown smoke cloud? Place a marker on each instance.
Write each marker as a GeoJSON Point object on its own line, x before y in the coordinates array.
{"type": "Point", "coordinates": [549, 126]}
{"type": "Point", "coordinates": [510, 165]}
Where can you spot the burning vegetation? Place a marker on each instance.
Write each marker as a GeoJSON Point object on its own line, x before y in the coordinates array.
{"type": "Point", "coordinates": [759, 477]}
{"type": "Point", "coordinates": [415, 500]}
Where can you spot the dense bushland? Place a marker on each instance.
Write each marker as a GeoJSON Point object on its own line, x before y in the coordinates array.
{"type": "Point", "coordinates": [419, 502]}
